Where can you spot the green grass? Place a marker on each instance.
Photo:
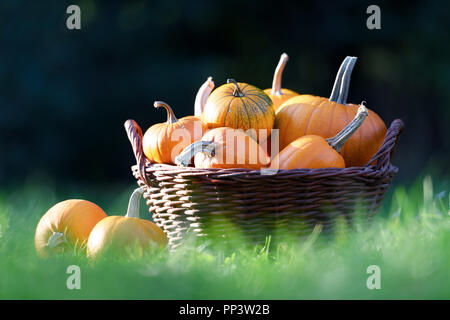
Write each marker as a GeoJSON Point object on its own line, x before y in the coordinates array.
{"type": "Point", "coordinates": [409, 241]}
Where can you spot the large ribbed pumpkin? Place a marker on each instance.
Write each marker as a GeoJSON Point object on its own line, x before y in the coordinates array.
{"type": "Point", "coordinates": [315, 152]}
{"type": "Point", "coordinates": [240, 106]}
{"type": "Point", "coordinates": [312, 115]}
{"type": "Point", "coordinates": [277, 94]}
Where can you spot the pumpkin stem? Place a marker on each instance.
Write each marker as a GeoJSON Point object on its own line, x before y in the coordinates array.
{"type": "Point", "coordinates": [341, 138]}
{"type": "Point", "coordinates": [276, 83]}
{"type": "Point", "coordinates": [133, 204]}
{"type": "Point", "coordinates": [202, 95]}
{"type": "Point", "coordinates": [345, 83]}
{"type": "Point", "coordinates": [337, 82]}
{"type": "Point", "coordinates": [56, 239]}
{"type": "Point", "coordinates": [170, 115]}
{"type": "Point", "coordinates": [184, 158]}
{"type": "Point", "coordinates": [237, 91]}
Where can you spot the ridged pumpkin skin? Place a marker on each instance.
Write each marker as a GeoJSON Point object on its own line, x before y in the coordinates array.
{"type": "Point", "coordinates": [315, 152]}
{"type": "Point", "coordinates": [308, 152]}
{"type": "Point", "coordinates": [117, 234]}
{"type": "Point", "coordinates": [164, 141]}
{"type": "Point", "coordinates": [73, 219]}
{"type": "Point", "coordinates": [239, 106]}
{"type": "Point", "coordinates": [311, 115]}
{"type": "Point", "coordinates": [232, 149]}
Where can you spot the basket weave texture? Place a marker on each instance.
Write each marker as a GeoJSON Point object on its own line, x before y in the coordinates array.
{"type": "Point", "coordinates": [188, 199]}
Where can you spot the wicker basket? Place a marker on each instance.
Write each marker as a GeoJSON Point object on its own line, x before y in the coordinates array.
{"type": "Point", "coordinates": [188, 199]}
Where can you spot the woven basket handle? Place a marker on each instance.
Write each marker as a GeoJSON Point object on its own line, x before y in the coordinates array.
{"type": "Point", "coordinates": [134, 133]}
{"type": "Point", "coordinates": [384, 155]}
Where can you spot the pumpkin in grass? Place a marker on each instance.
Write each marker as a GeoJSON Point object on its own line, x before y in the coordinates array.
{"type": "Point", "coordinates": [164, 141]}
{"type": "Point", "coordinates": [277, 94]}
{"type": "Point", "coordinates": [225, 148]}
{"type": "Point", "coordinates": [240, 106]}
{"type": "Point", "coordinates": [312, 115]}
{"type": "Point", "coordinates": [65, 225]}
{"type": "Point", "coordinates": [314, 152]}
{"type": "Point", "coordinates": [119, 234]}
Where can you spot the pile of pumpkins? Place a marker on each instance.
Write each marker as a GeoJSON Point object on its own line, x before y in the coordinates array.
{"type": "Point", "coordinates": [237, 125]}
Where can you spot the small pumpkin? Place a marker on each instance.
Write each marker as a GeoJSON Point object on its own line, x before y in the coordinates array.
{"type": "Point", "coordinates": [117, 234]}
{"type": "Point", "coordinates": [66, 224]}
{"type": "Point", "coordinates": [308, 114]}
{"type": "Point", "coordinates": [277, 94]}
{"type": "Point", "coordinates": [314, 152]}
{"type": "Point", "coordinates": [164, 141]}
{"type": "Point", "coordinates": [225, 148]}
{"type": "Point", "coordinates": [240, 106]}
{"type": "Point", "coordinates": [202, 95]}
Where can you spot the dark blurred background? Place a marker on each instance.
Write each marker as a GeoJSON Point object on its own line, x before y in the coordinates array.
{"type": "Point", "coordinates": [65, 94]}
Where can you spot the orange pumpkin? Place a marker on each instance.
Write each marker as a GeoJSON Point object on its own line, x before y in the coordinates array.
{"type": "Point", "coordinates": [314, 152]}
{"type": "Point", "coordinates": [225, 148]}
{"type": "Point", "coordinates": [164, 141]}
{"type": "Point", "coordinates": [312, 115]}
{"type": "Point", "coordinates": [66, 224]}
{"type": "Point", "coordinates": [118, 234]}
{"type": "Point", "coordinates": [202, 95]}
{"type": "Point", "coordinates": [277, 94]}
{"type": "Point", "coordinates": [239, 106]}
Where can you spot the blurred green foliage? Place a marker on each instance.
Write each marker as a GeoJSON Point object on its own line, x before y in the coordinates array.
{"type": "Point", "coordinates": [409, 241]}
{"type": "Point", "coordinates": [64, 95]}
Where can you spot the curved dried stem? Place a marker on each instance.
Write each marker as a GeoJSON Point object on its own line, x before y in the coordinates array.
{"type": "Point", "coordinates": [337, 81]}
{"type": "Point", "coordinates": [185, 157]}
{"type": "Point", "coordinates": [276, 83]}
{"type": "Point", "coordinates": [237, 91]}
{"type": "Point", "coordinates": [170, 115]}
{"type": "Point", "coordinates": [134, 203]}
{"type": "Point", "coordinates": [56, 239]}
{"type": "Point", "coordinates": [342, 137]}
{"type": "Point", "coordinates": [202, 95]}
{"type": "Point", "coordinates": [345, 83]}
